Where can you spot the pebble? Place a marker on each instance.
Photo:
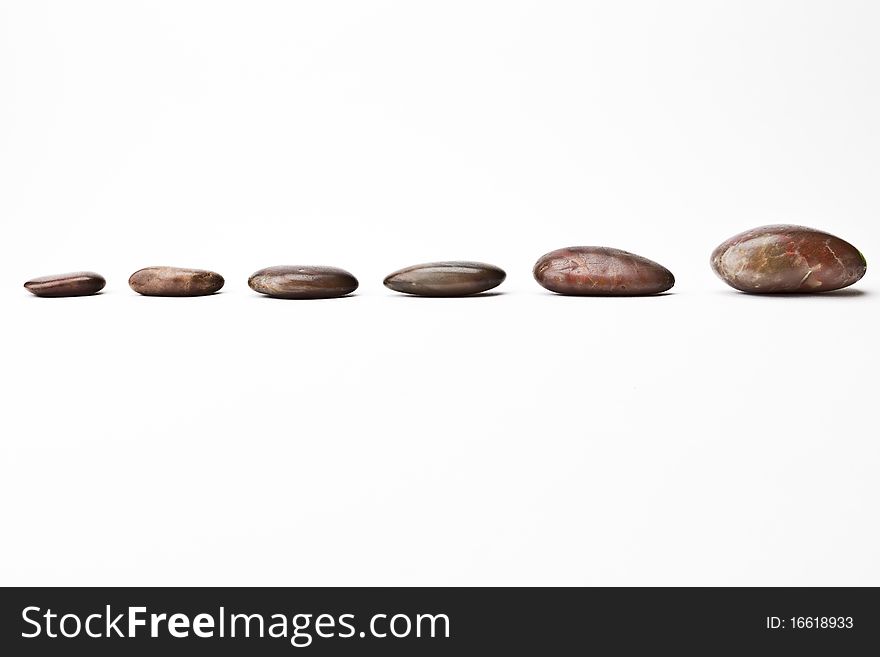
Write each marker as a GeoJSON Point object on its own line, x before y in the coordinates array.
{"type": "Point", "coordinates": [601, 271]}
{"type": "Point", "coordinates": [292, 282]}
{"type": "Point", "coordinates": [446, 279]}
{"type": "Point", "coordinates": [75, 284]}
{"type": "Point", "coordinates": [784, 258]}
{"type": "Point", "coordinates": [175, 282]}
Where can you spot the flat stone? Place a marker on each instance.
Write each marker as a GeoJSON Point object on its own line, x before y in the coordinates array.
{"type": "Point", "coordinates": [75, 284]}
{"type": "Point", "coordinates": [446, 279]}
{"type": "Point", "coordinates": [601, 271]}
{"type": "Point", "coordinates": [784, 258]}
{"type": "Point", "coordinates": [303, 282]}
{"type": "Point", "coordinates": [175, 282]}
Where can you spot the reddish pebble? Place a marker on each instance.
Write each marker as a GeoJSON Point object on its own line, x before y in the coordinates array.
{"type": "Point", "coordinates": [601, 271]}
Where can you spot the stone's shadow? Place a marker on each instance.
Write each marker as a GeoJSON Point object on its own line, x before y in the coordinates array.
{"type": "Point", "coordinates": [479, 295]}
{"type": "Point", "coordinates": [607, 296]}
{"type": "Point", "coordinates": [75, 296]}
{"type": "Point", "coordinates": [176, 296]}
{"type": "Point", "coordinates": [846, 293]}
{"type": "Point", "coordinates": [266, 296]}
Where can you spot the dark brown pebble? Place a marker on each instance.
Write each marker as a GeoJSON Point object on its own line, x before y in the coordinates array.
{"type": "Point", "coordinates": [304, 282]}
{"type": "Point", "coordinates": [783, 258]}
{"type": "Point", "coordinates": [76, 284]}
{"type": "Point", "coordinates": [175, 282]}
{"type": "Point", "coordinates": [446, 279]}
{"type": "Point", "coordinates": [601, 271]}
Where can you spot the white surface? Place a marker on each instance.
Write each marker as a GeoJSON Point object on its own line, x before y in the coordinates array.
{"type": "Point", "coordinates": [703, 437]}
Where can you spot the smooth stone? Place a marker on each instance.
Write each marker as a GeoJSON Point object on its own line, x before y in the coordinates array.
{"type": "Point", "coordinates": [175, 282]}
{"type": "Point", "coordinates": [783, 258]}
{"type": "Point", "coordinates": [601, 271]}
{"type": "Point", "coordinates": [75, 284]}
{"type": "Point", "coordinates": [446, 279]}
{"type": "Point", "coordinates": [291, 282]}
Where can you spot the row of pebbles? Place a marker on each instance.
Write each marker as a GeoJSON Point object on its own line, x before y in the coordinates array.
{"type": "Point", "coordinates": [769, 259]}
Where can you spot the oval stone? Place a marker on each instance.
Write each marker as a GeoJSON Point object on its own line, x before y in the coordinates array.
{"type": "Point", "coordinates": [175, 282]}
{"type": "Point", "coordinates": [601, 271]}
{"type": "Point", "coordinates": [303, 282]}
{"type": "Point", "coordinates": [446, 279]}
{"type": "Point", "coordinates": [75, 284]}
{"type": "Point", "coordinates": [784, 258]}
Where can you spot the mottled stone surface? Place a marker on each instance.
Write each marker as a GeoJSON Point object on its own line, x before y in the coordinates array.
{"type": "Point", "coordinates": [303, 282]}
{"type": "Point", "coordinates": [446, 279]}
{"type": "Point", "coordinates": [783, 258]}
{"type": "Point", "coordinates": [75, 284]}
{"type": "Point", "coordinates": [601, 271]}
{"type": "Point", "coordinates": [175, 282]}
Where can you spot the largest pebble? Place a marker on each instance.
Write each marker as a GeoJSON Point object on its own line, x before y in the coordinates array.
{"type": "Point", "coordinates": [785, 258]}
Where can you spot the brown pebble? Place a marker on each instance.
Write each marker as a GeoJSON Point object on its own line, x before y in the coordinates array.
{"type": "Point", "coordinates": [601, 271]}
{"type": "Point", "coordinates": [175, 282]}
{"type": "Point", "coordinates": [783, 258]}
{"type": "Point", "coordinates": [303, 282]}
{"type": "Point", "coordinates": [446, 279]}
{"type": "Point", "coordinates": [75, 284]}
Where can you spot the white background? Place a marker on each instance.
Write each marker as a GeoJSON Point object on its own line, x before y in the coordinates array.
{"type": "Point", "coordinates": [702, 437]}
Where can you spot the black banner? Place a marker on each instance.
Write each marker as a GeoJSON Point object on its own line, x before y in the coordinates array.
{"type": "Point", "coordinates": [441, 621]}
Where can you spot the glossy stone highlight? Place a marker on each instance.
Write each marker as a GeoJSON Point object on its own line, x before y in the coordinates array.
{"type": "Point", "coordinates": [175, 282]}
{"type": "Point", "coordinates": [75, 284]}
{"type": "Point", "coordinates": [446, 279]}
{"type": "Point", "coordinates": [303, 282]}
{"type": "Point", "coordinates": [784, 258]}
{"type": "Point", "coordinates": [601, 271]}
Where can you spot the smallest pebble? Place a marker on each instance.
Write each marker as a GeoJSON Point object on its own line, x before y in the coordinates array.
{"type": "Point", "coordinates": [74, 284]}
